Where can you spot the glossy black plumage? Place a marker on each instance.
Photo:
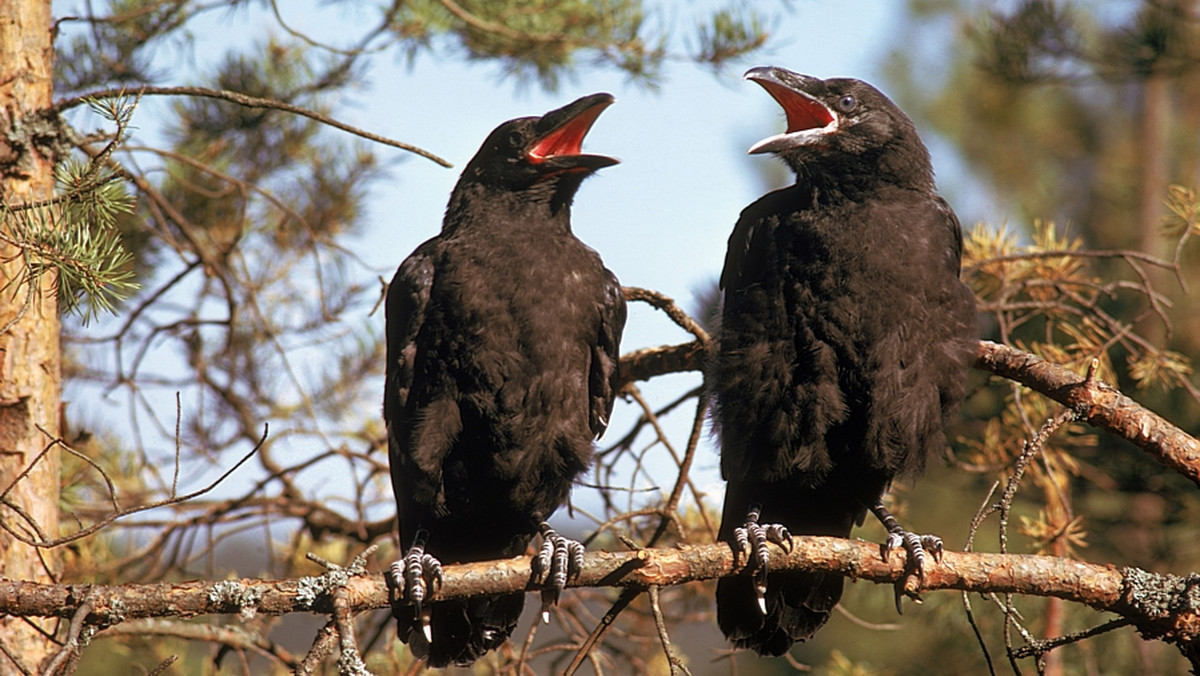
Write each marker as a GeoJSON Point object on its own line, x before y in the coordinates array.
{"type": "Point", "coordinates": [503, 339]}
{"type": "Point", "coordinates": [845, 338]}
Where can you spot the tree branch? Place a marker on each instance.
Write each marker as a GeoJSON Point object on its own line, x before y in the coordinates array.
{"type": "Point", "coordinates": [1161, 606]}
{"type": "Point", "coordinates": [249, 102]}
{"type": "Point", "coordinates": [650, 362]}
{"type": "Point", "coordinates": [1100, 405]}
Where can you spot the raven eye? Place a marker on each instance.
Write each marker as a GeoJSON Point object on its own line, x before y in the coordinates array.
{"type": "Point", "coordinates": [847, 103]}
{"type": "Point", "coordinates": [516, 139]}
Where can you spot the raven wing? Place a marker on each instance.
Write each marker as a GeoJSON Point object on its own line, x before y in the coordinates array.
{"type": "Point", "coordinates": [407, 299]}
{"type": "Point", "coordinates": [751, 240]}
{"type": "Point", "coordinates": [954, 252]}
{"type": "Point", "coordinates": [604, 374]}
{"type": "Point", "coordinates": [416, 471]}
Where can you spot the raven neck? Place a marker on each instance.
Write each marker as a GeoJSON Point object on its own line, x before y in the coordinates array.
{"type": "Point", "coordinates": [852, 176]}
{"type": "Point", "coordinates": [484, 208]}
{"type": "Point", "coordinates": [848, 184]}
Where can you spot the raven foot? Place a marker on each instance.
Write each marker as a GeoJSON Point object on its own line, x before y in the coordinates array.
{"type": "Point", "coordinates": [418, 575]}
{"type": "Point", "coordinates": [915, 545]}
{"type": "Point", "coordinates": [560, 560]}
{"type": "Point", "coordinates": [752, 539]}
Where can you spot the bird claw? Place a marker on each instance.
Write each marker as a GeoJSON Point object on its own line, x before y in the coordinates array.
{"type": "Point", "coordinates": [558, 561]}
{"type": "Point", "coordinates": [752, 539]}
{"type": "Point", "coordinates": [916, 547]}
{"type": "Point", "coordinates": [933, 545]}
{"type": "Point", "coordinates": [418, 575]}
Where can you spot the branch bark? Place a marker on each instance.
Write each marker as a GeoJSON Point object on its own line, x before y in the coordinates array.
{"type": "Point", "coordinates": [1161, 606]}
{"type": "Point", "coordinates": [1099, 404]}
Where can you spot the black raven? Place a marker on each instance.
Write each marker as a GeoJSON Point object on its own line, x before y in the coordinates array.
{"type": "Point", "coordinates": [502, 352]}
{"type": "Point", "coordinates": [844, 345]}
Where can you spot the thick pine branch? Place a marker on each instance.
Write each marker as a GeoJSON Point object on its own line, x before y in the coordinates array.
{"type": "Point", "coordinates": [1159, 605]}
{"type": "Point", "coordinates": [1098, 586]}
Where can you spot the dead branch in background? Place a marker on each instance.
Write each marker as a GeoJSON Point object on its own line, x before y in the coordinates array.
{"type": "Point", "coordinates": [1098, 403]}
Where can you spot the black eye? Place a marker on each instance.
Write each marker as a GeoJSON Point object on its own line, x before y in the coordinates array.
{"type": "Point", "coordinates": [516, 139]}
{"type": "Point", "coordinates": [847, 103]}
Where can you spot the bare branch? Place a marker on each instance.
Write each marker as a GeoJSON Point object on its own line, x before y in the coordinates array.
{"type": "Point", "coordinates": [677, 664]}
{"type": "Point", "coordinates": [43, 539]}
{"type": "Point", "coordinates": [667, 305]}
{"type": "Point", "coordinates": [233, 636]}
{"type": "Point", "coordinates": [323, 644]}
{"type": "Point", "coordinates": [1099, 404]}
{"type": "Point", "coordinates": [1102, 587]}
{"type": "Point", "coordinates": [651, 362]}
{"type": "Point", "coordinates": [65, 660]}
{"type": "Point", "coordinates": [1160, 606]}
{"type": "Point", "coordinates": [249, 102]}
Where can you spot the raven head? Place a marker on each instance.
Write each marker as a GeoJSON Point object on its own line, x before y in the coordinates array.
{"type": "Point", "coordinates": [535, 151]}
{"type": "Point", "coordinates": [841, 121]}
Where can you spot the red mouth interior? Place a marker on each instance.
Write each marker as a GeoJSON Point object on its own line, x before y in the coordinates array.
{"type": "Point", "coordinates": [567, 139]}
{"type": "Point", "coordinates": [802, 112]}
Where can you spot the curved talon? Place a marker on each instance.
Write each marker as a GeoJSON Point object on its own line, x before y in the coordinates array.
{"type": "Point", "coordinates": [418, 575]}
{"type": "Point", "coordinates": [549, 600]}
{"type": "Point", "coordinates": [751, 539]}
{"type": "Point", "coordinates": [933, 544]}
{"type": "Point", "coordinates": [424, 615]}
{"type": "Point", "coordinates": [910, 587]}
{"type": "Point", "coordinates": [893, 541]}
{"type": "Point", "coordinates": [779, 534]}
{"type": "Point", "coordinates": [558, 561]}
{"type": "Point", "coordinates": [915, 545]}
{"type": "Point", "coordinates": [760, 591]}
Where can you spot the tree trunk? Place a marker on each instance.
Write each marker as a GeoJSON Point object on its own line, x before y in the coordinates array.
{"type": "Point", "coordinates": [30, 365]}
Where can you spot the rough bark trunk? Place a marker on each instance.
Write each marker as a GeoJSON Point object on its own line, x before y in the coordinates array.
{"type": "Point", "coordinates": [30, 367]}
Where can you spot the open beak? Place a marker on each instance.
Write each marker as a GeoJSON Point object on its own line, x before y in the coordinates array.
{"type": "Point", "coordinates": [559, 144]}
{"type": "Point", "coordinates": [808, 118]}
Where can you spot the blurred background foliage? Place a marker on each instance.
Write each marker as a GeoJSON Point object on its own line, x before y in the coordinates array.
{"type": "Point", "coordinates": [1081, 119]}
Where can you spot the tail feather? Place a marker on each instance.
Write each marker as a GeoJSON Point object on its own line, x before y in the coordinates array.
{"type": "Point", "coordinates": [798, 604]}
{"type": "Point", "coordinates": [463, 630]}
